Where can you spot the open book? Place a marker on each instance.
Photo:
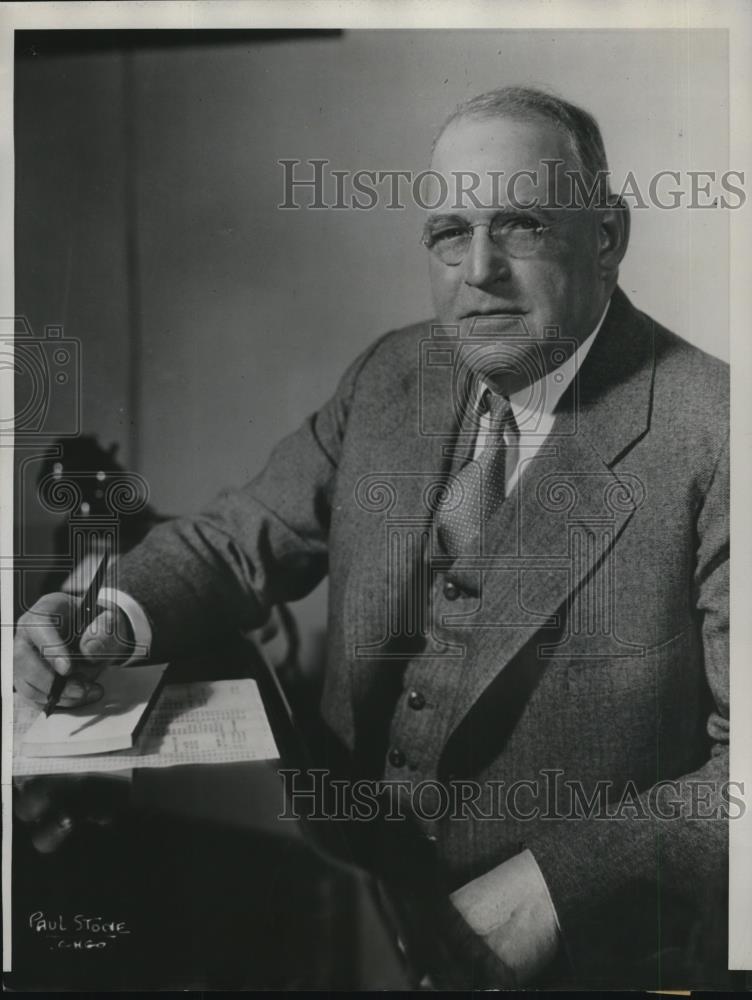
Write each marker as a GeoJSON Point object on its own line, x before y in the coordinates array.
{"type": "Point", "coordinates": [112, 723]}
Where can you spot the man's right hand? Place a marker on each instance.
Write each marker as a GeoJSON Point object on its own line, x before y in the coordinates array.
{"type": "Point", "coordinates": [42, 648]}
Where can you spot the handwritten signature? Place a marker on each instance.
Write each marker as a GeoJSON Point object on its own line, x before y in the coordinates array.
{"type": "Point", "coordinates": [78, 931]}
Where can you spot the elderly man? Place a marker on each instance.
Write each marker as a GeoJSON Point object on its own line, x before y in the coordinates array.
{"type": "Point", "coordinates": [522, 507]}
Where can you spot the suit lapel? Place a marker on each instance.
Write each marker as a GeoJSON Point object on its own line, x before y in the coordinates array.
{"type": "Point", "coordinates": [393, 507]}
{"type": "Point", "coordinates": [570, 508]}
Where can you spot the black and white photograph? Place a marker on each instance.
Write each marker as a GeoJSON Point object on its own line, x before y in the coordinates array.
{"type": "Point", "coordinates": [375, 410]}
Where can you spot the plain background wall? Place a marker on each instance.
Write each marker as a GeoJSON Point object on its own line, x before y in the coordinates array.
{"type": "Point", "coordinates": [236, 319]}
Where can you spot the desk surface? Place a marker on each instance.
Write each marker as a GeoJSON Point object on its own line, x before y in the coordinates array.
{"type": "Point", "coordinates": [188, 877]}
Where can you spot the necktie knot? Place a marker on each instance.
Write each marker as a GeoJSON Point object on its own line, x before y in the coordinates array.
{"type": "Point", "coordinates": [482, 481]}
{"type": "Point", "coordinates": [499, 411]}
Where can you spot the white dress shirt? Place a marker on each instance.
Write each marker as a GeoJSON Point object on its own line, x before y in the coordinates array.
{"type": "Point", "coordinates": [534, 409]}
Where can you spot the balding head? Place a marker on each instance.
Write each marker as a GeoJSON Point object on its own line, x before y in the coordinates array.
{"type": "Point", "coordinates": [525, 104]}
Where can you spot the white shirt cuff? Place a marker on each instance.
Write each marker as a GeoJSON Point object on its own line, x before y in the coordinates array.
{"type": "Point", "coordinates": [136, 616]}
{"type": "Point", "coordinates": [511, 908]}
{"type": "Point", "coordinates": [534, 868]}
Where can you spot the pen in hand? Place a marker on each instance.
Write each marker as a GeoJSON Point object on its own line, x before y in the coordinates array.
{"type": "Point", "coordinates": [86, 614]}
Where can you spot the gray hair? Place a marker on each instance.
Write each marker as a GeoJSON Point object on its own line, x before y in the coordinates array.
{"type": "Point", "coordinates": [524, 103]}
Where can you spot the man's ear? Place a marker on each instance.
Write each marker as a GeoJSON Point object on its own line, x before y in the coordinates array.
{"type": "Point", "coordinates": [613, 234]}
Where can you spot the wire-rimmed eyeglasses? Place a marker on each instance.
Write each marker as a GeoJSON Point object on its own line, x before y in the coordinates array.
{"type": "Point", "coordinates": [518, 236]}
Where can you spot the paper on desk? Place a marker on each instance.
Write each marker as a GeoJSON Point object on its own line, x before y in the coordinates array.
{"type": "Point", "coordinates": [210, 722]}
{"type": "Point", "coordinates": [107, 725]}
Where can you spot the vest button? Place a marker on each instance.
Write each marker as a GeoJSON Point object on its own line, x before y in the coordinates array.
{"type": "Point", "coordinates": [396, 758]}
{"type": "Point", "coordinates": [416, 700]}
{"type": "Point", "coordinates": [451, 590]}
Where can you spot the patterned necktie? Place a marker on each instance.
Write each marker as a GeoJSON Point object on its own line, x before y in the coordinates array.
{"type": "Point", "coordinates": [481, 483]}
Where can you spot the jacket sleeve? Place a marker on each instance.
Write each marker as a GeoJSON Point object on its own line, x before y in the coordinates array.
{"type": "Point", "coordinates": [252, 547]}
{"type": "Point", "coordinates": [596, 869]}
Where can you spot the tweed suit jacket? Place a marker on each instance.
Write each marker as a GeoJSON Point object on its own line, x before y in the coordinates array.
{"type": "Point", "coordinates": [580, 658]}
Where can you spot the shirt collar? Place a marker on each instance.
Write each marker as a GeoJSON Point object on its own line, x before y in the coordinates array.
{"type": "Point", "coordinates": [542, 397]}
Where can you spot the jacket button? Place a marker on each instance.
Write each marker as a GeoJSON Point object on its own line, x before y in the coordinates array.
{"type": "Point", "coordinates": [451, 590]}
{"type": "Point", "coordinates": [416, 700]}
{"type": "Point", "coordinates": [396, 758]}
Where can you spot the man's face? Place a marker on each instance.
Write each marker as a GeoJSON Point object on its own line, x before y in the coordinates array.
{"type": "Point", "coordinates": [557, 285]}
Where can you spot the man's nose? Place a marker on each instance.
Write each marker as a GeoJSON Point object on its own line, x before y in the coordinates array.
{"type": "Point", "coordinates": [485, 262]}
